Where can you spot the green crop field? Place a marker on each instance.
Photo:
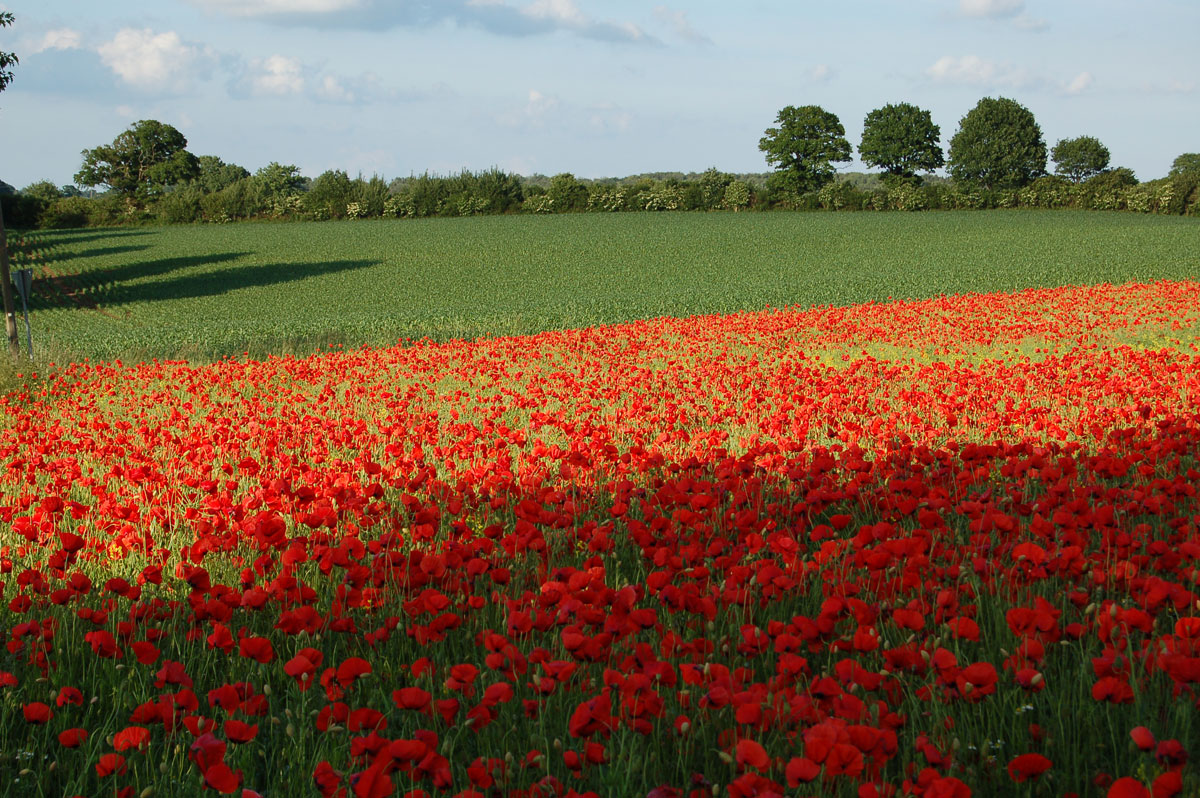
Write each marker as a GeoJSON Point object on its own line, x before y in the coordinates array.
{"type": "Point", "coordinates": [208, 291]}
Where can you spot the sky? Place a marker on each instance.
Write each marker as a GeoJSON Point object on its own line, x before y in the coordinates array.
{"type": "Point", "coordinates": [598, 88]}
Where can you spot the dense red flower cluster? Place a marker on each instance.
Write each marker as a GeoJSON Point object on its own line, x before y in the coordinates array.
{"type": "Point", "coordinates": [916, 548]}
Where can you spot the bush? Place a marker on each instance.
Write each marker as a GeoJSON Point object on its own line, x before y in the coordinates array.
{"type": "Point", "coordinates": [67, 213]}
{"type": "Point", "coordinates": [905, 197]}
{"type": "Point", "coordinates": [1105, 191]}
{"type": "Point", "coordinates": [1185, 194]}
{"type": "Point", "coordinates": [1050, 191]}
{"type": "Point", "coordinates": [839, 195]}
{"type": "Point", "coordinates": [21, 210]}
{"type": "Point", "coordinates": [180, 206]}
{"type": "Point", "coordinates": [243, 199]}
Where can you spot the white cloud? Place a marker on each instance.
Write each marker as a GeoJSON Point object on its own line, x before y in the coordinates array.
{"type": "Point", "coordinates": [532, 114]}
{"type": "Point", "coordinates": [965, 69]}
{"type": "Point", "coordinates": [562, 11]}
{"type": "Point", "coordinates": [58, 39]}
{"type": "Point", "coordinates": [332, 90]}
{"type": "Point", "coordinates": [258, 8]}
{"type": "Point", "coordinates": [277, 75]}
{"type": "Point", "coordinates": [1080, 84]}
{"type": "Point", "coordinates": [971, 70]}
{"type": "Point", "coordinates": [528, 18]}
{"type": "Point", "coordinates": [150, 61]}
{"type": "Point", "coordinates": [608, 118]}
{"type": "Point", "coordinates": [680, 25]}
{"type": "Point", "coordinates": [1026, 22]}
{"type": "Point", "coordinates": [991, 8]}
{"type": "Point", "coordinates": [821, 73]}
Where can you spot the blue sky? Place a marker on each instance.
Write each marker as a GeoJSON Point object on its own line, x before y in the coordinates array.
{"type": "Point", "coordinates": [397, 87]}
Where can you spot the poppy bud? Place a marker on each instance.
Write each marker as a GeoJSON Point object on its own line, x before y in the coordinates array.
{"type": "Point", "coordinates": [724, 757]}
{"type": "Point", "coordinates": [146, 793]}
{"type": "Point", "coordinates": [290, 730]}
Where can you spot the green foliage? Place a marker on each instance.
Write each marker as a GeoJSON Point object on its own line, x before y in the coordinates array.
{"type": "Point", "coordinates": [244, 199]}
{"type": "Point", "coordinates": [67, 212]}
{"type": "Point", "coordinates": [568, 194]}
{"type": "Point", "coordinates": [7, 60]}
{"type": "Point", "coordinates": [180, 206]}
{"type": "Point", "coordinates": [1079, 158]}
{"type": "Point", "coordinates": [998, 146]}
{"type": "Point", "coordinates": [1184, 164]}
{"type": "Point", "coordinates": [44, 191]}
{"type": "Point", "coordinates": [737, 195]}
{"type": "Point", "coordinates": [329, 195]}
{"type": "Point", "coordinates": [214, 290]}
{"type": "Point", "coordinates": [280, 181]}
{"type": "Point", "coordinates": [803, 147]}
{"type": "Point", "coordinates": [216, 175]}
{"type": "Point", "coordinates": [1049, 191]}
{"type": "Point", "coordinates": [140, 163]}
{"type": "Point", "coordinates": [902, 140]}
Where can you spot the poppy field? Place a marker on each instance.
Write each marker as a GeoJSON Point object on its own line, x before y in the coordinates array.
{"type": "Point", "coordinates": [940, 548]}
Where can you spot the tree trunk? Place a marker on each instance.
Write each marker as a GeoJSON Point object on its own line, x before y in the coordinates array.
{"type": "Point", "coordinates": [10, 318]}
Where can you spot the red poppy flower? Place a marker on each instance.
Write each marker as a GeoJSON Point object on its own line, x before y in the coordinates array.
{"type": "Point", "coordinates": [1143, 738]}
{"type": "Point", "coordinates": [1028, 766]}
{"type": "Point", "coordinates": [72, 738]}
{"type": "Point", "coordinates": [352, 669]}
{"type": "Point", "coordinates": [37, 713]}
{"type": "Point", "coordinates": [256, 648]}
{"type": "Point", "coordinates": [131, 737]}
{"type": "Point", "coordinates": [751, 754]}
{"type": "Point", "coordinates": [111, 764]}
{"type": "Point", "coordinates": [412, 698]}
{"type": "Point", "coordinates": [801, 770]}
{"type": "Point", "coordinates": [1127, 788]}
{"type": "Point", "coordinates": [221, 778]}
{"type": "Point", "coordinates": [976, 682]}
{"type": "Point", "coordinates": [239, 732]}
{"type": "Point", "coordinates": [69, 695]}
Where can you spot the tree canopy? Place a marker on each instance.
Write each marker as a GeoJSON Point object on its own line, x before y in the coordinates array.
{"type": "Point", "coordinates": [141, 162]}
{"type": "Point", "coordinates": [215, 175]}
{"type": "Point", "coordinates": [7, 60]}
{"type": "Point", "coordinates": [1186, 163]}
{"type": "Point", "coordinates": [803, 147]}
{"type": "Point", "coordinates": [902, 140]}
{"type": "Point", "coordinates": [998, 145]}
{"type": "Point", "coordinates": [1079, 158]}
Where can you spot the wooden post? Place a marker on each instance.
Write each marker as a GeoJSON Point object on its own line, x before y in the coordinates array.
{"type": "Point", "coordinates": [10, 318]}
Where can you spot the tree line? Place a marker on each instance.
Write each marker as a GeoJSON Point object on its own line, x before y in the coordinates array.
{"type": "Point", "coordinates": [996, 159]}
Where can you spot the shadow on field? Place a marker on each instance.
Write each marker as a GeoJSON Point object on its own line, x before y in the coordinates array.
{"type": "Point", "coordinates": [97, 252]}
{"type": "Point", "coordinates": [222, 281]}
{"type": "Point", "coordinates": [93, 288]}
{"type": "Point", "coordinates": [55, 238]}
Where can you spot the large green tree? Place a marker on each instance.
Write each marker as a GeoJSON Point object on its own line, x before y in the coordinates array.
{"type": "Point", "coordinates": [804, 145]}
{"type": "Point", "coordinates": [215, 175]}
{"type": "Point", "coordinates": [1079, 158]}
{"type": "Point", "coordinates": [998, 145]}
{"type": "Point", "coordinates": [1188, 162]}
{"type": "Point", "coordinates": [902, 140]}
{"type": "Point", "coordinates": [142, 162]}
{"type": "Point", "coordinates": [7, 60]}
